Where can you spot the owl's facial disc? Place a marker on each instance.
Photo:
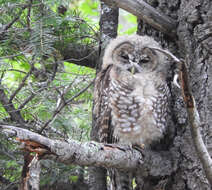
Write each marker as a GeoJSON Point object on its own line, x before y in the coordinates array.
{"type": "Point", "coordinates": [148, 59]}
{"type": "Point", "coordinates": [142, 60]}
{"type": "Point", "coordinates": [122, 51]}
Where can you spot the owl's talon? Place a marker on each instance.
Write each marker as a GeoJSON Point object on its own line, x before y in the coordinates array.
{"type": "Point", "coordinates": [139, 148]}
{"type": "Point", "coordinates": [142, 146]}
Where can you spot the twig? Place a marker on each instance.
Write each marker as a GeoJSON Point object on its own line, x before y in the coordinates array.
{"type": "Point", "coordinates": [79, 93]}
{"type": "Point", "coordinates": [82, 58]}
{"type": "Point", "coordinates": [194, 121]}
{"type": "Point", "coordinates": [9, 107]}
{"type": "Point", "coordinates": [14, 55]}
{"type": "Point", "coordinates": [63, 104]}
{"type": "Point", "coordinates": [30, 98]}
{"type": "Point", "coordinates": [2, 76]}
{"type": "Point", "coordinates": [29, 15]}
{"type": "Point", "coordinates": [34, 93]}
{"type": "Point", "coordinates": [15, 70]}
{"type": "Point", "coordinates": [21, 85]}
{"type": "Point", "coordinates": [6, 27]}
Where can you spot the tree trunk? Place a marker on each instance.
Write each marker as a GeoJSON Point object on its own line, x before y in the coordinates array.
{"type": "Point", "coordinates": [193, 42]}
{"type": "Point", "coordinates": [173, 163]}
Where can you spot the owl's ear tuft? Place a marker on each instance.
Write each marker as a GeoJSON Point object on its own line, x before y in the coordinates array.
{"type": "Point", "coordinates": [121, 52]}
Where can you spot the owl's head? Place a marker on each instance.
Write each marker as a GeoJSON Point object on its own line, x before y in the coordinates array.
{"type": "Point", "coordinates": [134, 54]}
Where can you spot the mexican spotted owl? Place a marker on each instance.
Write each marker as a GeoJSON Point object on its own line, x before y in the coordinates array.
{"type": "Point", "coordinates": [131, 93]}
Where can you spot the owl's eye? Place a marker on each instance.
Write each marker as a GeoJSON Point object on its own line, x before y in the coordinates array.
{"type": "Point", "coordinates": [144, 59]}
{"type": "Point", "coordinates": [124, 57]}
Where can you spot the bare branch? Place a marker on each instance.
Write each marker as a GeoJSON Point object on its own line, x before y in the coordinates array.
{"type": "Point", "coordinates": [27, 100]}
{"type": "Point", "coordinates": [194, 121]}
{"type": "Point", "coordinates": [74, 152]}
{"type": "Point", "coordinates": [147, 13]}
{"type": "Point", "coordinates": [90, 153]}
{"type": "Point", "coordinates": [15, 70]}
{"type": "Point", "coordinates": [29, 14]}
{"type": "Point", "coordinates": [6, 27]}
{"type": "Point", "coordinates": [21, 85]}
{"type": "Point", "coordinates": [79, 93]}
{"type": "Point", "coordinates": [34, 70]}
{"type": "Point", "coordinates": [9, 107]}
{"type": "Point", "coordinates": [63, 104]}
{"type": "Point", "coordinates": [78, 54]}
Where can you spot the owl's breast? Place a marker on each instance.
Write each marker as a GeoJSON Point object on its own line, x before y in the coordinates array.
{"type": "Point", "coordinates": [133, 115]}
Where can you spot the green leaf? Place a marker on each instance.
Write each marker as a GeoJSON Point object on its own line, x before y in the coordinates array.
{"type": "Point", "coordinates": [89, 7]}
{"type": "Point", "coordinates": [73, 178]}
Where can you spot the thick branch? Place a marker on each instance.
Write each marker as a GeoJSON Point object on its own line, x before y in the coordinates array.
{"type": "Point", "coordinates": [194, 121]}
{"type": "Point", "coordinates": [91, 153]}
{"type": "Point", "coordinates": [80, 54]}
{"type": "Point", "coordinates": [9, 107]}
{"type": "Point", "coordinates": [74, 152]}
{"type": "Point", "coordinates": [147, 13]}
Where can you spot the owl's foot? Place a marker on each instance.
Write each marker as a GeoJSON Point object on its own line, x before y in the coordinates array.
{"type": "Point", "coordinates": [140, 148]}
{"type": "Point", "coordinates": [113, 146]}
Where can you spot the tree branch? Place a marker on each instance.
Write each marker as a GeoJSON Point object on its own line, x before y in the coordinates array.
{"type": "Point", "coordinates": [9, 107]}
{"type": "Point", "coordinates": [21, 85]}
{"type": "Point", "coordinates": [91, 153]}
{"type": "Point", "coordinates": [74, 152]}
{"type": "Point", "coordinates": [147, 13]}
{"type": "Point", "coordinates": [29, 15]}
{"type": "Point", "coordinates": [78, 54]}
{"type": "Point", "coordinates": [59, 109]}
{"type": "Point", "coordinates": [194, 121]}
{"type": "Point", "coordinates": [7, 26]}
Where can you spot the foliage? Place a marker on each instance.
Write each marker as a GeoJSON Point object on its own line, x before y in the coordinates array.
{"type": "Point", "coordinates": [39, 82]}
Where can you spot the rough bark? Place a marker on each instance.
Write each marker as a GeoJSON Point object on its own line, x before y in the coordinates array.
{"type": "Point", "coordinates": [143, 10]}
{"type": "Point", "coordinates": [91, 153]}
{"type": "Point", "coordinates": [194, 122]}
{"type": "Point", "coordinates": [30, 173]}
{"type": "Point", "coordinates": [80, 55]}
{"type": "Point", "coordinates": [195, 38]}
{"type": "Point", "coordinates": [193, 42]}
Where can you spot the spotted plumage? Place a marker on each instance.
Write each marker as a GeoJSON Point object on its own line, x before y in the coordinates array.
{"type": "Point", "coordinates": [132, 96]}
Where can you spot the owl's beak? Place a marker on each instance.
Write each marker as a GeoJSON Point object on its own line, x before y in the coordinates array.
{"type": "Point", "coordinates": [135, 68]}
{"type": "Point", "coordinates": [132, 70]}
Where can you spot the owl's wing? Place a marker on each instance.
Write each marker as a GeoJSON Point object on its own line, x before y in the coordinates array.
{"type": "Point", "coordinates": [161, 105]}
{"type": "Point", "coordinates": [102, 110]}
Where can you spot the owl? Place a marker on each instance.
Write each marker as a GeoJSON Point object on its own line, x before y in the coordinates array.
{"type": "Point", "coordinates": [131, 98]}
